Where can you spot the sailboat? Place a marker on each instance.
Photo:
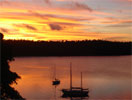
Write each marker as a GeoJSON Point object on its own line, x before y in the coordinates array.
{"type": "Point", "coordinates": [55, 81]}
{"type": "Point", "coordinates": [75, 91]}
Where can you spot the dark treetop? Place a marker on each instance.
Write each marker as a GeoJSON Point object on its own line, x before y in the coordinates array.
{"type": "Point", "coordinates": [69, 48]}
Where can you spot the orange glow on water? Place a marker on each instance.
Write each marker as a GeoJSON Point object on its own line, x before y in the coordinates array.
{"type": "Point", "coordinates": [105, 79]}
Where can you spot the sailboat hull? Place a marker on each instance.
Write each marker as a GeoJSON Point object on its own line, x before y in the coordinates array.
{"type": "Point", "coordinates": [56, 82]}
{"type": "Point", "coordinates": [74, 93]}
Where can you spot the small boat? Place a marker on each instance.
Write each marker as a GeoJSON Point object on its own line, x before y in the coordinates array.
{"type": "Point", "coordinates": [55, 81]}
{"type": "Point", "coordinates": [75, 91]}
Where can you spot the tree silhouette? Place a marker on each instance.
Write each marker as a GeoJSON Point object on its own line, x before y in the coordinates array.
{"type": "Point", "coordinates": [7, 77]}
{"type": "Point", "coordinates": [69, 48]}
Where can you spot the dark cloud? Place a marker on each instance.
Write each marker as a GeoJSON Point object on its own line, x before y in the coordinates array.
{"type": "Point", "coordinates": [4, 2]}
{"type": "Point", "coordinates": [4, 30]}
{"type": "Point", "coordinates": [27, 26]}
{"type": "Point", "coordinates": [55, 27]}
{"type": "Point", "coordinates": [80, 6]}
{"type": "Point", "coordinates": [43, 16]}
{"type": "Point", "coordinates": [67, 24]}
{"type": "Point", "coordinates": [48, 16]}
{"type": "Point", "coordinates": [47, 1]}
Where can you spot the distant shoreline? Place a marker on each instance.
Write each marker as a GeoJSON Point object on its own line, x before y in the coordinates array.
{"type": "Point", "coordinates": [78, 56]}
{"type": "Point", "coordinates": [25, 48]}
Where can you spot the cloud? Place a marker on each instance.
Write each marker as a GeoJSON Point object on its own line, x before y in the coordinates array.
{"type": "Point", "coordinates": [81, 6]}
{"type": "Point", "coordinates": [30, 27]}
{"type": "Point", "coordinates": [55, 27]}
{"type": "Point", "coordinates": [110, 21]}
{"type": "Point", "coordinates": [48, 16]}
{"type": "Point", "coordinates": [119, 38]}
{"type": "Point", "coordinates": [58, 20]}
{"type": "Point", "coordinates": [29, 35]}
{"type": "Point", "coordinates": [67, 24]}
{"type": "Point", "coordinates": [27, 26]}
{"type": "Point", "coordinates": [43, 16]}
{"type": "Point", "coordinates": [126, 0]}
{"type": "Point", "coordinates": [126, 21]}
{"type": "Point", "coordinates": [69, 17]}
{"type": "Point", "coordinates": [47, 1]}
{"type": "Point", "coordinates": [74, 5]}
{"type": "Point", "coordinates": [4, 30]}
{"type": "Point", "coordinates": [120, 25]}
{"type": "Point", "coordinates": [3, 2]}
{"type": "Point", "coordinates": [41, 37]}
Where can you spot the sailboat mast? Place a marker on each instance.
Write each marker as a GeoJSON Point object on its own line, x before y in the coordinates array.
{"type": "Point", "coordinates": [55, 71]}
{"type": "Point", "coordinates": [71, 76]}
{"type": "Point", "coordinates": [81, 80]}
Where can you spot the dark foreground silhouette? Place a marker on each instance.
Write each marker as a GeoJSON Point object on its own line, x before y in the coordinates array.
{"type": "Point", "coordinates": [7, 77]}
{"type": "Point", "coordinates": [69, 48]}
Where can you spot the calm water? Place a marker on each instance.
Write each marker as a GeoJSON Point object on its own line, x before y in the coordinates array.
{"type": "Point", "coordinates": [108, 78]}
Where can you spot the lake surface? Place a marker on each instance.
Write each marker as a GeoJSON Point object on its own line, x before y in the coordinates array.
{"type": "Point", "coordinates": [108, 78]}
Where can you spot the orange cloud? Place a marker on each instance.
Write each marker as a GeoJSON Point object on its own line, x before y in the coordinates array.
{"type": "Point", "coordinates": [27, 26]}
{"type": "Point", "coordinates": [4, 30]}
{"type": "Point", "coordinates": [55, 27]}
{"type": "Point", "coordinates": [76, 22]}
{"type": "Point", "coordinates": [47, 1]}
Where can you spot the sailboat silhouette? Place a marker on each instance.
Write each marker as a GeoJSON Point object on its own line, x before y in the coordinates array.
{"type": "Point", "coordinates": [55, 81]}
{"type": "Point", "coordinates": [75, 91]}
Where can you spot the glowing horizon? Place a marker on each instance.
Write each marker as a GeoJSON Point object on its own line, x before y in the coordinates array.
{"type": "Point", "coordinates": [66, 19]}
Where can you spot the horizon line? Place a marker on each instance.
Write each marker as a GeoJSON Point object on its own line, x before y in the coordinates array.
{"type": "Point", "coordinates": [65, 40]}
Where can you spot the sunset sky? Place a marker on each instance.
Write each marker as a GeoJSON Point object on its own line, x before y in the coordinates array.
{"type": "Point", "coordinates": [66, 19]}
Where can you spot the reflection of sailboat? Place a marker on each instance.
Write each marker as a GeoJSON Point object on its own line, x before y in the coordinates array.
{"type": "Point", "coordinates": [75, 91]}
{"type": "Point", "coordinates": [55, 81]}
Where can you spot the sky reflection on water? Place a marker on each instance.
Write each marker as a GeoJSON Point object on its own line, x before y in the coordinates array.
{"type": "Point", "coordinates": [106, 77]}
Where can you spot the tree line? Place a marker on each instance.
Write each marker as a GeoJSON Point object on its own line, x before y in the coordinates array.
{"type": "Point", "coordinates": [69, 48]}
